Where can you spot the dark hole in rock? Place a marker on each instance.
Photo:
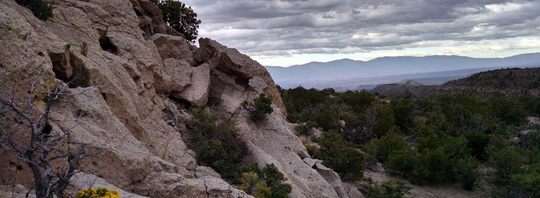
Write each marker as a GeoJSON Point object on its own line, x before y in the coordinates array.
{"type": "Point", "coordinates": [104, 96]}
{"type": "Point", "coordinates": [181, 103]}
{"type": "Point", "coordinates": [137, 79]}
{"type": "Point", "coordinates": [106, 44]}
{"type": "Point", "coordinates": [137, 12]}
{"type": "Point", "coordinates": [40, 54]}
{"type": "Point", "coordinates": [213, 101]}
{"type": "Point", "coordinates": [241, 82]}
{"type": "Point", "coordinates": [47, 129]}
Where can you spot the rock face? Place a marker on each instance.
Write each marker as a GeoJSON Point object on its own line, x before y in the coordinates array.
{"type": "Point", "coordinates": [130, 91]}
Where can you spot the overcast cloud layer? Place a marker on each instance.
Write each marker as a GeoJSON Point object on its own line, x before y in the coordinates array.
{"type": "Point", "coordinates": [274, 28]}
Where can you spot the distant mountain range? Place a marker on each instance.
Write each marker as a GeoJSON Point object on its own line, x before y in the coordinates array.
{"type": "Point", "coordinates": [349, 74]}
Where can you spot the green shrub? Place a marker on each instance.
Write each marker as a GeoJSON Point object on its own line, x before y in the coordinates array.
{"type": "Point", "coordinates": [325, 119]}
{"type": "Point", "coordinates": [259, 108]}
{"type": "Point", "coordinates": [437, 163]}
{"type": "Point", "coordinates": [403, 114]}
{"type": "Point", "coordinates": [404, 162]}
{"type": "Point", "coordinates": [477, 144]}
{"type": "Point", "coordinates": [385, 121]}
{"type": "Point", "coordinates": [346, 161]}
{"type": "Point", "coordinates": [392, 188]}
{"type": "Point", "coordinates": [389, 143]}
{"type": "Point", "coordinates": [467, 171]}
{"type": "Point", "coordinates": [272, 178]}
{"type": "Point", "coordinates": [216, 143]}
{"type": "Point", "coordinates": [42, 9]}
{"type": "Point", "coordinates": [507, 161]}
{"type": "Point", "coordinates": [427, 138]}
{"type": "Point", "coordinates": [507, 111]}
{"type": "Point", "coordinates": [251, 184]}
{"type": "Point", "coordinates": [275, 180]}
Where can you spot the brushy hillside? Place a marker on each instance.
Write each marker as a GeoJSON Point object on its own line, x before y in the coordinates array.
{"type": "Point", "coordinates": [506, 82]}
{"type": "Point", "coordinates": [511, 82]}
{"type": "Point", "coordinates": [447, 139]}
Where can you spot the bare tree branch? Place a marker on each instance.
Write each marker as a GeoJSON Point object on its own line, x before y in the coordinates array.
{"type": "Point", "coordinates": [25, 130]}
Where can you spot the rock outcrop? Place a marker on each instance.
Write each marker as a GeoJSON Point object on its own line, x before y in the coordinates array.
{"type": "Point", "coordinates": [130, 90]}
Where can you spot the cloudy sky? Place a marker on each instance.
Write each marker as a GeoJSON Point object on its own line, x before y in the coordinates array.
{"type": "Point", "coordinates": [288, 32]}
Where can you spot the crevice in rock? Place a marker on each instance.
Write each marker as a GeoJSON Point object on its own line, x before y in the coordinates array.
{"type": "Point", "coordinates": [104, 96]}
{"type": "Point", "coordinates": [214, 101]}
{"type": "Point", "coordinates": [181, 104]}
{"type": "Point", "coordinates": [106, 44]}
{"type": "Point", "coordinates": [206, 188]}
{"type": "Point", "coordinates": [138, 12]}
{"type": "Point", "coordinates": [241, 82]}
{"type": "Point", "coordinates": [81, 76]}
{"type": "Point", "coordinates": [62, 67]}
{"type": "Point", "coordinates": [69, 68]}
{"type": "Point", "coordinates": [59, 67]}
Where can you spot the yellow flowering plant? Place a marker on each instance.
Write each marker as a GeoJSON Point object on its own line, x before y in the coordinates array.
{"type": "Point", "coordinates": [99, 193]}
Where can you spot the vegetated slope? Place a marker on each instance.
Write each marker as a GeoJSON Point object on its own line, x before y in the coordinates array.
{"type": "Point", "coordinates": [507, 82]}
{"type": "Point", "coordinates": [485, 144]}
{"type": "Point", "coordinates": [511, 82]}
{"type": "Point", "coordinates": [405, 88]}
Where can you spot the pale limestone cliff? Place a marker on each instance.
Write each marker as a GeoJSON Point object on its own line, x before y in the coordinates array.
{"type": "Point", "coordinates": [131, 90]}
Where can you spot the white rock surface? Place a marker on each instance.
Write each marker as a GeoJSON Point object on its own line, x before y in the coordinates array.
{"type": "Point", "coordinates": [197, 93]}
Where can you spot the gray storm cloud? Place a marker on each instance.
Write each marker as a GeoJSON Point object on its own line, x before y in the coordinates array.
{"type": "Point", "coordinates": [281, 27]}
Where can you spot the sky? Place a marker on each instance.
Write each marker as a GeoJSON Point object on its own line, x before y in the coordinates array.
{"type": "Point", "coordinates": [290, 32]}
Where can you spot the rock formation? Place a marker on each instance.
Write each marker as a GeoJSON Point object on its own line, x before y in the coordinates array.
{"type": "Point", "coordinates": [130, 90]}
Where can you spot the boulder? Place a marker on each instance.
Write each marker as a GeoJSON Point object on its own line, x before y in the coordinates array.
{"type": "Point", "coordinates": [333, 178]}
{"type": "Point", "coordinates": [174, 76]}
{"type": "Point", "coordinates": [197, 92]}
{"type": "Point", "coordinates": [352, 190]}
{"type": "Point", "coordinates": [172, 47]}
{"type": "Point", "coordinates": [241, 68]}
{"type": "Point", "coordinates": [219, 188]}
